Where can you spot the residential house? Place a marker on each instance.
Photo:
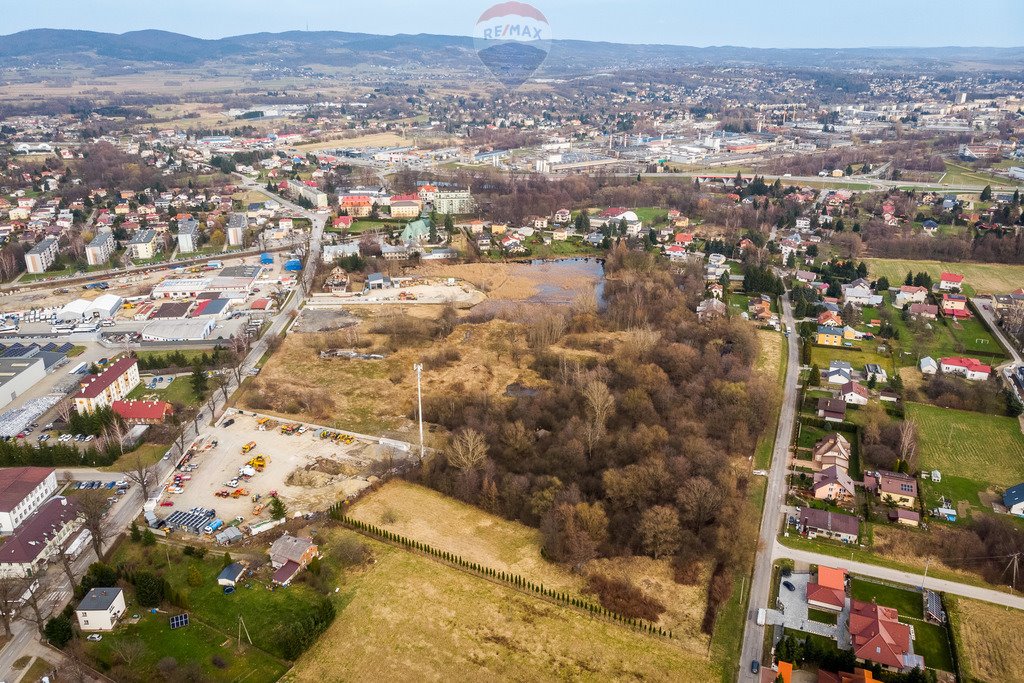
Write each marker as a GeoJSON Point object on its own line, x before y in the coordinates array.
{"type": "Point", "coordinates": [892, 487]}
{"type": "Point", "coordinates": [909, 294]}
{"type": "Point", "coordinates": [188, 236]}
{"type": "Point", "coordinates": [237, 223]}
{"type": "Point", "coordinates": [876, 371]}
{"type": "Point", "coordinates": [839, 372]}
{"type": "Point", "coordinates": [955, 306]}
{"type": "Point", "coordinates": [851, 334]}
{"type": "Point", "coordinates": [829, 336]}
{"type": "Point", "coordinates": [806, 276]}
{"type": "Point", "coordinates": [562, 216]}
{"type": "Point", "coordinates": [711, 308]}
{"type": "Point", "coordinates": [288, 555]}
{"type": "Point", "coordinates": [951, 282]}
{"type": "Point", "coordinates": [926, 311]}
{"type": "Point", "coordinates": [930, 227]}
{"type": "Point", "coordinates": [834, 525]}
{"type": "Point", "coordinates": [832, 409]}
{"type": "Point", "coordinates": [830, 319]}
{"type": "Point", "coordinates": [38, 538]}
{"type": "Point", "coordinates": [39, 258]}
{"type": "Point", "coordinates": [832, 450]}
{"type": "Point", "coordinates": [22, 491]}
{"type": "Point", "coordinates": [683, 239]}
{"type": "Point", "coordinates": [879, 638]}
{"type": "Point", "coordinates": [854, 393]}
{"type": "Point", "coordinates": [112, 384]}
{"type": "Point", "coordinates": [828, 590]}
{"type": "Point", "coordinates": [902, 516]}
{"type": "Point", "coordinates": [100, 609]}
{"type": "Point", "coordinates": [143, 245]}
{"type": "Point", "coordinates": [342, 222]}
{"type": "Point", "coordinates": [357, 206]}
{"type": "Point", "coordinates": [928, 366]}
{"type": "Point", "coordinates": [100, 249]}
{"type": "Point", "coordinates": [834, 484]}
{"type": "Point", "coordinates": [676, 253]}
{"type": "Point", "coordinates": [969, 368]}
{"type": "Point", "coordinates": [859, 293]}
{"type": "Point", "coordinates": [1013, 499]}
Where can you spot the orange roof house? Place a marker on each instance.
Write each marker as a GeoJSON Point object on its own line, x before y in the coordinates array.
{"type": "Point", "coordinates": [829, 591]}
{"type": "Point", "coordinates": [878, 636]}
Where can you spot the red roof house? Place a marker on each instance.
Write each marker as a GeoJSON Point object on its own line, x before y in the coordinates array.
{"type": "Point", "coordinates": [143, 412]}
{"type": "Point", "coordinates": [878, 636]}
{"type": "Point", "coordinates": [829, 591]}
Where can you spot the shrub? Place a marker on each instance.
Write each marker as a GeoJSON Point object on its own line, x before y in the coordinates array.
{"type": "Point", "coordinates": [623, 597]}
{"type": "Point", "coordinates": [149, 589]}
{"type": "Point", "coordinates": [59, 631]}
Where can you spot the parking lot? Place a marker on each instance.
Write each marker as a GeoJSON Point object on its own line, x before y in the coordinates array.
{"type": "Point", "coordinates": [308, 472]}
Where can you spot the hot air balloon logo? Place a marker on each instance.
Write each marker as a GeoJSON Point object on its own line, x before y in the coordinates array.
{"type": "Point", "coordinates": [512, 40]}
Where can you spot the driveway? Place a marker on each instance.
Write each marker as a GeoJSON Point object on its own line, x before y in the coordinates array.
{"type": "Point", "coordinates": [794, 607]}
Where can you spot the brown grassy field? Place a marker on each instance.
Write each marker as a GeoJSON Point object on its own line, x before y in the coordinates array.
{"type": "Point", "coordinates": [990, 278]}
{"type": "Point", "coordinates": [512, 281]}
{"type": "Point", "coordinates": [410, 618]}
{"type": "Point", "coordinates": [988, 640]}
{"type": "Point", "coordinates": [425, 515]}
{"type": "Point", "coordinates": [368, 140]}
{"type": "Point", "coordinates": [375, 397]}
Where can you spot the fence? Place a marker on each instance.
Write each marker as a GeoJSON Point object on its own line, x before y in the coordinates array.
{"type": "Point", "coordinates": [511, 580]}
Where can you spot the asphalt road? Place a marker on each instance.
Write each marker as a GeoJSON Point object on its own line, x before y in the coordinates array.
{"type": "Point", "coordinates": [984, 307]}
{"type": "Point", "coordinates": [24, 639]}
{"type": "Point", "coordinates": [987, 595]}
{"type": "Point", "coordinates": [771, 516]}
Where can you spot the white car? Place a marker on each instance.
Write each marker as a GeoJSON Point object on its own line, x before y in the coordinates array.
{"type": "Point", "coordinates": [94, 637]}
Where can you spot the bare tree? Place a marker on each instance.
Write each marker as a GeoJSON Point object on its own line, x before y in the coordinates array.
{"type": "Point", "coordinates": [73, 667]}
{"type": "Point", "coordinates": [141, 473]}
{"type": "Point", "coordinates": [908, 443]}
{"type": "Point", "coordinates": [116, 430]}
{"type": "Point", "coordinates": [130, 651]}
{"type": "Point", "coordinates": [600, 402]}
{"type": "Point", "coordinates": [38, 612]}
{"type": "Point", "coordinates": [65, 559]}
{"type": "Point", "coordinates": [699, 499]}
{"type": "Point", "coordinates": [64, 411]}
{"type": "Point", "coordinates": [93, 506]}
{"type": "Point", "coordinates": [467, 450]}
{"type": "Point", "coordinates": [11, 590]}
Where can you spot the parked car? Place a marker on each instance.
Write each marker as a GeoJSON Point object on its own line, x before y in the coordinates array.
{"type": "Point", "coordinates": [755, 666]}
{"type": "Point", "coordinates": [789, 586]}
{"type": "Point", "coordinates": [228, 422]}
{"type": "Point", "coordinates": [94, 637]}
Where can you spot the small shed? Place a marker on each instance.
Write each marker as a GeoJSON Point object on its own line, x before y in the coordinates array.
{"type": "Point", "coordinates": [229, 536]}
{"type": "Point", "coordinates": [231, 574]}
{"type": "Point", "coordinates": [936, 475]}
{"type": "Point", "coordinates": [266, 259]}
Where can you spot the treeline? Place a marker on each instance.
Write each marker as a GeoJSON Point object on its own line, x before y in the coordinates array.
{"type": "Point", "coordinates": [18, 453]}
{"type": "Point", "coordinates": [624, 453]}
{"type": "Point", "coordinates": [176, 360]}
{"type": "Point", "coordinates": [991, 248]}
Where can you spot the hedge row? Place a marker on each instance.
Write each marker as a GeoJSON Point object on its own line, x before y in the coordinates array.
{"type": "Point", "coordinates": [513, 580]}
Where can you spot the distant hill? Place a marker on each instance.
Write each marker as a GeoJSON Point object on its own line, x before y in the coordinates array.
{"type": "Point", "coordinates": [153, 49]}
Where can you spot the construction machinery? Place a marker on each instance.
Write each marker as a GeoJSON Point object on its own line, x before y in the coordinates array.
{"type": "Point", "coordinates": [248, 447]}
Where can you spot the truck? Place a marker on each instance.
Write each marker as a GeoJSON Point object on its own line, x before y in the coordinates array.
{"type": "Point", "coordinates": [761, 614]}
{"type": "Point", "coordinates": [213, 526]}
{"type": "Point", "coordinates": [248, 447]}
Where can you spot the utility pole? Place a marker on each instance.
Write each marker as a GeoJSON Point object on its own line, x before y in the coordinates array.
{"type": "Point", "coordinates": [418, 367]}
{"type": "Point", "coordinates": [925, 578]}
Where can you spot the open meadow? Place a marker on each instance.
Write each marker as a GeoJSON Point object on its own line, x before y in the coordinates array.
{"type": "Point", "coordinates": [985, 448]}
{"type": "Point", "coordinates": [984, 278]}
{"type": "Point", "coordinates": [430, 517]}
{"type": "Point", "coordinates": [411, 618]}
{"type": "Point", "coordinates": [988, 640]}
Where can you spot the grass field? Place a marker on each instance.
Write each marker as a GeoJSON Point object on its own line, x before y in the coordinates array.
{"type": "Point", "coordinates": [988, 640]}
{"type": "Point", "coordinates": [433, 518]}
{"type": "Point", "coordinates": [958, 174]}
{"type": "Point", "coordinates": [988, 278]}
{"type": "Point", "coordinates": [772, 360]}
{"type": "Point", "coordinates": [266, 612]}
{"type": "Point", "coordinates": [823, 355]}
{"type": "Point", "coordinates": [985, 448]}
{"type": "Point", "coordinates": [907, 602]}
{"type": "Point", "coordinates": [149, 452]}
{"type": "Point", "coordinates": [410, 618]}
{"type": "Point", "coordinates": [821, 616]}
{"type": "Point", "coordinates": [179, 392]}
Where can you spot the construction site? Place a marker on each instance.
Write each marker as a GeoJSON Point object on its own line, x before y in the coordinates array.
{"type": "Point", "coordinates": [239, 466]}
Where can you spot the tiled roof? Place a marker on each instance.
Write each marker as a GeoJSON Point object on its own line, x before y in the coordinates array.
{"type": "Point", "coordinates": [18, 482]}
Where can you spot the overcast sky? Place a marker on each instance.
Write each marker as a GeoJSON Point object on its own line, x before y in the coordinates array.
{"type": "Point", "coordinates": [750, 23]}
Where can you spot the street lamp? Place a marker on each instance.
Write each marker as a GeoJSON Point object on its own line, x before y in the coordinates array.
{"type": "Point", "coordinates": [418, 367]}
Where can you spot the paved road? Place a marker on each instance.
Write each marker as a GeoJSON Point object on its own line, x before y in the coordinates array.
{"type": "Point", "coordinates": [911, 579]}
{"type": "Point", "coordinates": [984, 307]}
{"type": "Point", "coordinates": [753, 635]}
{"type": "Point", "coordinates": [130, 506]}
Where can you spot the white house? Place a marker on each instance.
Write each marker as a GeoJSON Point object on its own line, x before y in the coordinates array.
{"type": "Point", "coordinates": [970, 368]}
{"type": "Point", "coordinates": [1013, 499]}
{"type": "Point", "coordinates": [859, 293]}
{"type": "Point", "coordinates": [100, 609]}
{"type": "Point", "coordinates": [909, 294]}
{"type": "Point", "coordinates": [928, 366]}
{"type": "Point", "coordinates": [855, 393]}
{"type": "Point", "coordinates": [22, 491]}
{"type": "Point", "coordinates": [839, 372]}
{"type": "Point", "coordinates": [950, 282]}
